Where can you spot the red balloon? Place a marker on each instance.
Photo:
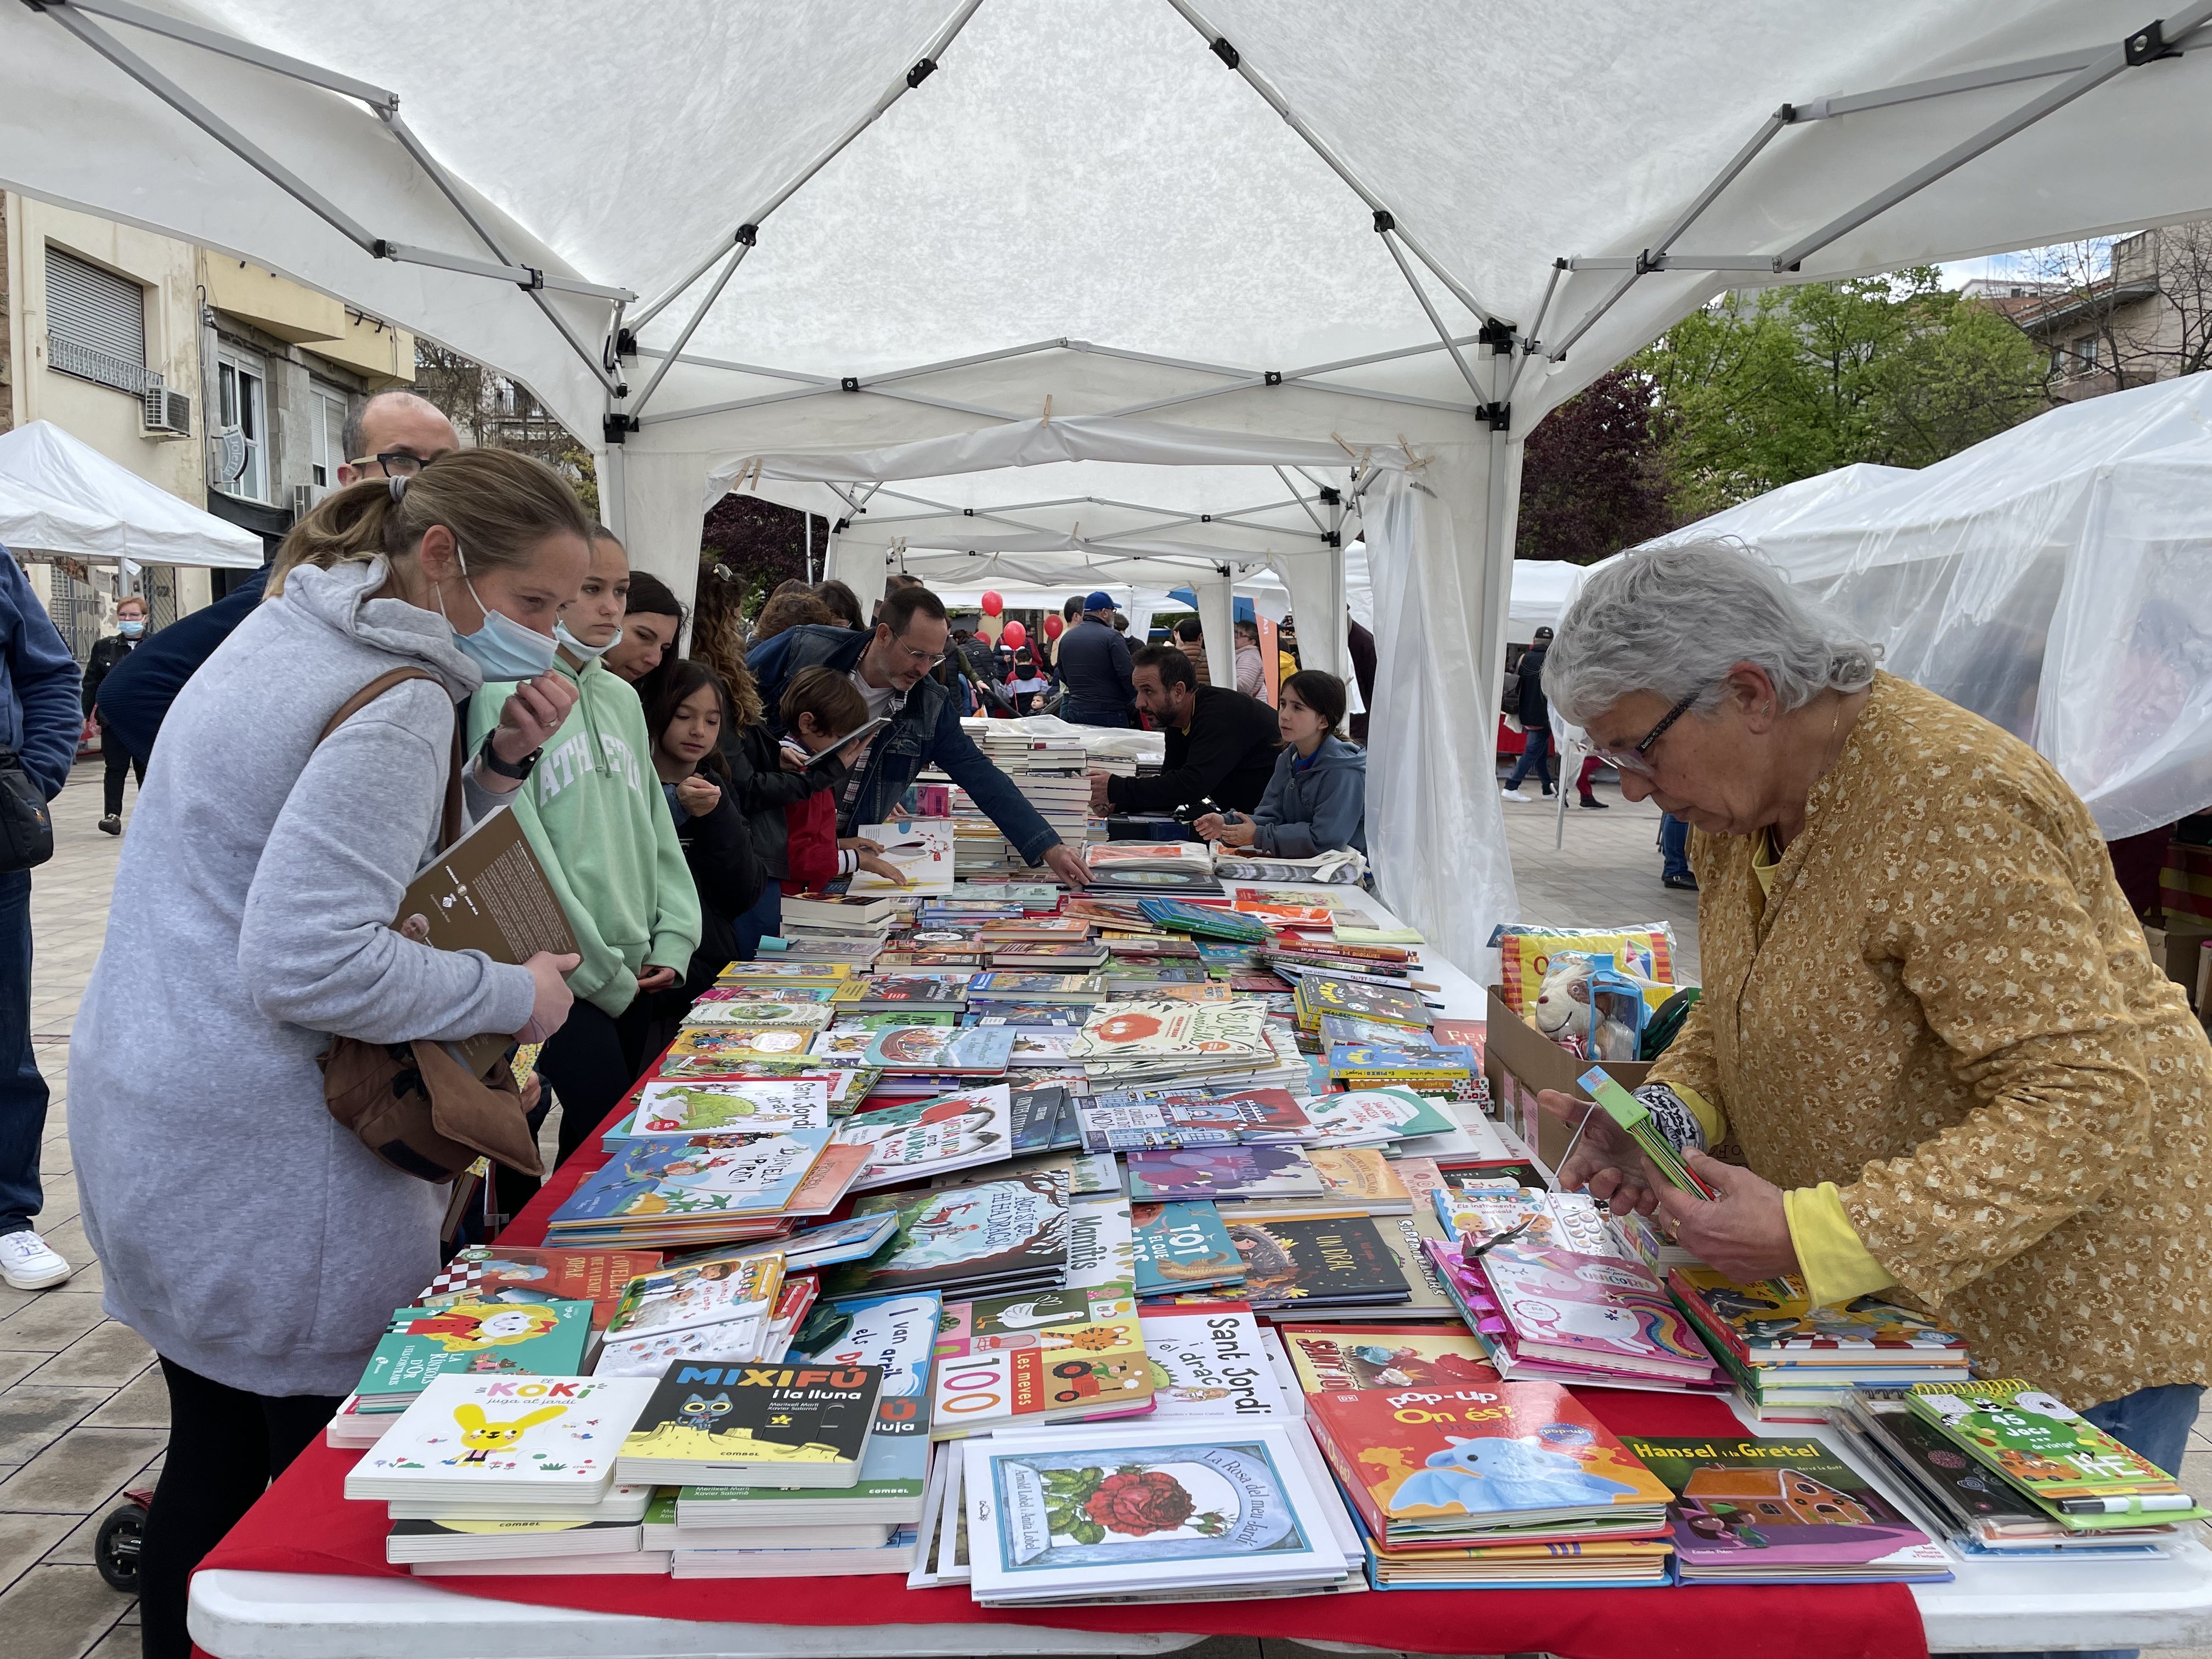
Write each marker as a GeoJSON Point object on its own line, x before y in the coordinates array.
{"type": "Point", "coordinates": [1053, 624]}
{"type": "Point", "coordinates": [1016, 636]}
{"type": "Point", "coordinates": [993, 605]}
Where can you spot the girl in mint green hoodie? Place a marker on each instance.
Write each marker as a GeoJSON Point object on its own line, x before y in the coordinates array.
{"type": "Point", "coordinates": [592, 810]}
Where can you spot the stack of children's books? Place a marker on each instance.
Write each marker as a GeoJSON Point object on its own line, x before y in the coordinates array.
{"type": "Point", "coordinates": [1792, 1360]}
{"type": "Point", "coordinates": [460, 1336]}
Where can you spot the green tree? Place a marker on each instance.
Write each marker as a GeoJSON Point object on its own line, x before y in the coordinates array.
{"type": "Point", "coordinates": [1760, 390]}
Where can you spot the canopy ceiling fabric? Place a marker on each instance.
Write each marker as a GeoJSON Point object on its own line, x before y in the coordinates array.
{"type": "Point", "coordinates": [60, 496]}
{"type": "Point", "coordinates": [2055, 579]}
{"type": "Point", "coordinates": [971, 212]}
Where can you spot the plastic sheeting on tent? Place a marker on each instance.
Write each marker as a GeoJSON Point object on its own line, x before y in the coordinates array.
{"type": "Point", "coordinates": [2055, 578]}
{"type": "Point", "coordinates": [58, 495]}
{"type": "Point", "coordinates": [972, 212]}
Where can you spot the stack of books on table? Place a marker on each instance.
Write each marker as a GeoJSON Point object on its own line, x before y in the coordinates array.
{"type": "Point", "coordinates": [1767, 1510]}
{"type": "Point", "coordinates": [1793, 1360]}
{"type": "Point", "coordinates": [1979, 1510]}
{"type": "Point", "coordinates": [1497, 1485]}
{"type": "Point", "coordinates": [987, 1234]}
{"type": "Point", "coordinates": [1153, 866]}
{"type": "Point", "coordinates": [459, 1336]}
{"type": "Point", "coordinates": [776, 1529]}
{"type": "Point", "coordinates": [506, 1474]}
{"type": "Point", "coordinates": [692, 1191]}
{"type": "Point", "coordinates": [719, 1310]}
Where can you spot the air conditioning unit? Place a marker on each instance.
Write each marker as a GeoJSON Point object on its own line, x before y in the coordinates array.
{"type": "Point", "coordinates": [167, 413]}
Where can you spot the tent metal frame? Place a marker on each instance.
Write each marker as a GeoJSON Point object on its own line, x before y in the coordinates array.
{"type": "Point", "coordinates": [2085, 72]}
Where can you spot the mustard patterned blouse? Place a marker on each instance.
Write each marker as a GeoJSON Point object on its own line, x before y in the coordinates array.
{"type": "Point", "coordinates": [1946, 1008]}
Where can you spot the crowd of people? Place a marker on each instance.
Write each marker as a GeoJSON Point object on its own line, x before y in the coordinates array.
{"type": "Point", "coordinates": [446, 634]}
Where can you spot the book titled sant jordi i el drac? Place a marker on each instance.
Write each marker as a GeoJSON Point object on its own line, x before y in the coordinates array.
{"type": "Point", "coordinates": [1152, 1511]}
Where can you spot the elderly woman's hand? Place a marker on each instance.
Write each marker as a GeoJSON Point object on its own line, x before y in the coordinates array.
{"type": "Point", "coordinates": [1744, 1232]}
{"type": "Point", "coordinates": [1605, 1161]}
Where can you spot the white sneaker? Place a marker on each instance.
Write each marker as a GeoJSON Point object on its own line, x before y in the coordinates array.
{"type": "Point", "coordinates": [27, 1264]}
{"type": "Point", "coordinates": [1513, 794]}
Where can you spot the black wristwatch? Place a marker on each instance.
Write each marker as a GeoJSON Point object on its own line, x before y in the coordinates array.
{"type": "Point", "coordinates": [492, 762]}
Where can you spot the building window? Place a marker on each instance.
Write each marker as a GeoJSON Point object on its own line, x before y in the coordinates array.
{"type": "Point", "coordinates": [95, 324]}
{"type": "Point", "coordinates": [242, 392]}
{"type": "Point", "coordinates": [329, 438]}
{"type": "Point", "coordinates": [2085, 354]}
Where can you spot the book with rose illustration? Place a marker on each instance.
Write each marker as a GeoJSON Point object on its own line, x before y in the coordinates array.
{"type": "Point", "coordinates": [507, 1439]}
{"type": "Point", "coordinates": [1154, 1511]}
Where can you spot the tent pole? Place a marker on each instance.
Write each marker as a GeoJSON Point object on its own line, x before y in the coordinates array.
{"type": "Point", "coordinates": [1528, 346]}
{"type": "Point", "coordinates": [244, 52]}
{"type": "Point", "coordinates": [737, 257]}
{"type": "Point", "coordinates": [1302, 500]}
{"type": "Point", "coordinates": [1404, 269]}
{"type": "Point", "coordinates": [614, 491]}
{"type": "Point", "coordinates": [909, 79]}
{"type": "Point", "coordinates": [697, 361]}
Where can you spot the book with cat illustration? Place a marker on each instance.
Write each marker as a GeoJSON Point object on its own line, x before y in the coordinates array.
{"type": "Point", "coordinates": [805, 1425]}
{"type": "Point", "coordinates": [1041, 1356]}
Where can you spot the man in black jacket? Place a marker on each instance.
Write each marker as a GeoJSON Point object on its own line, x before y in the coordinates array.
{"type": "Point", "coordinates": [1094, 666]}
{"type": "Point", "coordinates": [1221, 743]}
{"type": "Point", "coordinates": [1535, 712]}
{"type": "Point", "coordinates": [120, 757]}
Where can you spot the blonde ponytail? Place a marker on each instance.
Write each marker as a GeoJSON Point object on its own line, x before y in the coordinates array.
{"type": "Point", "coordinates": [499, 506]}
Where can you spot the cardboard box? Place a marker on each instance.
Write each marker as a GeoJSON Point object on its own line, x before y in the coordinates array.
{"type": "Point", "coordinates": [1520, 1060]}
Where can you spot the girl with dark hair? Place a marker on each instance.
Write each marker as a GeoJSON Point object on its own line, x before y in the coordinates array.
{"type": "Point", "coordinates": [687, 718]}
{"type": "Point", "coordinates": [1316, 801]}
{"type": "Point", "coordinates": [652, 623]}
{"type": "Point", "coordinates": [844, 604]}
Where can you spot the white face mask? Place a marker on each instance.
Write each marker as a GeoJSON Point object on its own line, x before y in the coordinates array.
{"type": "Point", "coordinates": [576, 648]}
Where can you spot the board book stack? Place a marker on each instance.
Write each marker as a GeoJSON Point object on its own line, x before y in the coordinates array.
{"type": "Point", "coordinates": [459, 1338]}
{"type": "Point", "coordinates": [520, 1273]}
{"type": "Point", "coordinates": [1793, 1361]}
{"type": "Point", "coordinates": [783, 1531]}
{"type": "Point", "coordinates": [800, 1425]}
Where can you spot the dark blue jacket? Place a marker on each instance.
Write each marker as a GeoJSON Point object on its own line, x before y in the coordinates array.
{"type": "Point", "coordinates": [925, 730]}
{"type": "Point", "coordinates": [39, 719]}
{"type": "Point", "coordinates": [135, 697]}
{"type": "Point", "coordinates": [1094, 666]}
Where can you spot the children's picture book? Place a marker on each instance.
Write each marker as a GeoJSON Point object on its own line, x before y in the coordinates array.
{"type": "Point", "coordinates": [713, 1310]}
{"type": "Point", "coordinates": [1346, 1359]}
{"type": "Point", "coordinates": [794, 1425]}
{"type": "Point", "coordinates": [982, 1050]}
{"type": "Point", "coordinates": [936, 992]}
{"type": "Point", "coordinates": [823, 1187]}
{"type": "Point", "coordinates": [1603, 1312]}
{"type": "Point", "coordinates": [1038, 1356]}
{"type": "Point", "coordinates": [1319, 995]}
{"type": "Point", "coordinates": [520, 1274]}
{"type": "Point", "coordinates": [1100, 1244]}
{"type": "Point", "coordinates": [731, 1043]}
{"type": "Point", "coordinates": [1373, 1117]}
{"type": "Point", "coordinates": [717, 1175]}
{"type": "Point", "coordinates": [1013, 985]}
{"type": "Point", "coordinates": [717, 1007]}
{"type": "Point", "coordinates": [920, 850]}
{"type": "Point", "coordinates": [2040, 1444]}
{"type": "Point", "coordinates": [1339, 1260]}
{"type": "Point", "coordinates": [1359, 1178]}
{"type": "Point", "coordinates": [1772, 1508]}
{"type": "Point", "coordinates": [920, 1138]}
{"type": "Point", "coordinates": [1207, 1361]}
{"type": "Point", "coordinates": [465, 1337]}
{"type": "Point", "coordinates": [1223, 1172]}
{"type": "Point", "coordinates": [1481, 1461]}
{"type": "Point", "coordinates": [1014, 1226]}
{"type": "Point", "coordinates": [1126, 1121]}
{"type": "Point", "coordinates": [1775, 1320]}
{"type": "Point", "coordinates": [1154, 1510]}
{"type": "Point", "coordinates": [1038, 1046]}
{"type": "Point", "coordinates": [1163, 1029]}
{"type": "Point", "coordinates": [1183, 1247]}
{"type": "Point", "coordinates": [753, 1106]}
{"type": "Point", "coordinates": [545, 1438]}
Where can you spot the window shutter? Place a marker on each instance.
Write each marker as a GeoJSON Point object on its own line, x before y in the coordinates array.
{"type": "Point", "coordinates": [97, 321]}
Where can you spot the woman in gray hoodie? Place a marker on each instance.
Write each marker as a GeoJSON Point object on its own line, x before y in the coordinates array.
{"type": "Point", "coordinates": [1316, 801]}
{"type": "Point", "coordinates": [246, 1234]}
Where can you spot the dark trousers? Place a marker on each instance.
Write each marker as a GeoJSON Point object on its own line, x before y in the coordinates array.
{"type": "Point", "coordinates": [591, 1063]}
{"type": "Point", "coordinates": [1093, 713]}
{"type": "Point", "coordinates": [1674, 845]}
{"type": "Point", "coordinates": [761, 921]}
{"type": "Point", "coordinates": [22, 1090]}
{"type": "Point", "coordinates": [118, 760]}
{"type": "Point", "coordinates": [225, 1446]}
{"type": "Point", "coordinates": [1536, 754]}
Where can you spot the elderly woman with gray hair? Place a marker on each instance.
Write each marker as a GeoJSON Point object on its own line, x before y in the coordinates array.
{"type": "Point", "coordinates": [1931, 1028]}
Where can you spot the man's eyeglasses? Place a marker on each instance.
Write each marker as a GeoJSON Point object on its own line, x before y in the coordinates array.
{"type": "Point", "coordinates": [394, 464]}
{"type": "Point", "coordinates": [923, 659]}
{"type": "Point", "coordinates": [1637, 759]}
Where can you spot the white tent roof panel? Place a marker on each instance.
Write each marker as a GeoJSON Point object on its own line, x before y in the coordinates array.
{"type": "Point", "coordinates": [109, 511]}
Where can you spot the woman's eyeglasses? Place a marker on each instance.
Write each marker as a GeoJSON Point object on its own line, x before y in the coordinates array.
{"type": "Point", "coordinates": [1637, 759]}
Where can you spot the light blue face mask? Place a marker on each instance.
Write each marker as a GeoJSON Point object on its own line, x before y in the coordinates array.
{"type": "Point", "coordinates": [130, 628]}
{"type": "Point", "coordinates": [502, 647]}
{"type": "Point", "coordinates": [576, 648]}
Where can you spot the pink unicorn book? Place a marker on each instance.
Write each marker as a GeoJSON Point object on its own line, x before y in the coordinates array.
{"type": "Point", "coordinates": [1555, 1313]}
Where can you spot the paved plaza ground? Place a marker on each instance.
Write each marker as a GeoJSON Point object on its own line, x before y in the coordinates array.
{"type": "Point", "coordinates": [83, 1416]}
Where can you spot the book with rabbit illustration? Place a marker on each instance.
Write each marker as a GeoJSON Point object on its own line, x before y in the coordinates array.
{"type": "Point", "coordinates": [1483, 1463]}
{"type": "Point", "coordinates": [803, 1425]}
{"type": "Point", "coordinates": [546, 1439]}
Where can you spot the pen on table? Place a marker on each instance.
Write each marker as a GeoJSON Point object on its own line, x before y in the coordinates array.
{"type": "Point", "coordinates": [2171, 1500]}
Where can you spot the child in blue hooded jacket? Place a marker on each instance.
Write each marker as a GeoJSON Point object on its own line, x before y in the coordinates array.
{"type": "Point", "coordinates": [1316, 801]}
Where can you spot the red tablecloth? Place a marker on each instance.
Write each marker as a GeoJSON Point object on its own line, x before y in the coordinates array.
{"type": "Point", "coordinates": [304, 1524]}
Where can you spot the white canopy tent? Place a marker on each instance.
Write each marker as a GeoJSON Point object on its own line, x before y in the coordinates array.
{"type": "Point", "coordinates": [2055, 578]}
{"type": "Point", "coordinates": [60, 496]}
{"type": "Point", "coordinates": [1415, 229]}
